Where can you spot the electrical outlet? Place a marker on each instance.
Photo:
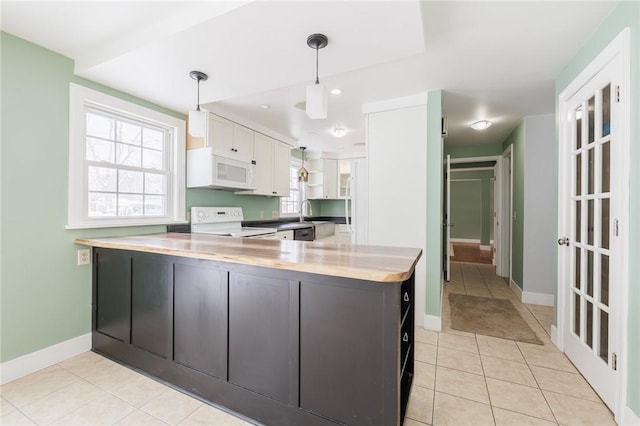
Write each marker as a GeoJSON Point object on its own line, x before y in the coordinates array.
{"type": "Point", "coordinates": [275, 214]}
{"type": "Point", "coordinates": [84, 257]}
{"type": "Point", "coordinates": [261, 214]}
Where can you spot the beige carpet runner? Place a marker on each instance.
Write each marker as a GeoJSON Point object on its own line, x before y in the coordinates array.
{"type": "Point", "coordinates": [489, 317]}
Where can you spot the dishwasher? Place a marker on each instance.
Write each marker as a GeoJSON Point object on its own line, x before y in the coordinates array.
{"type": "Point", "coordinates": [304, 234]}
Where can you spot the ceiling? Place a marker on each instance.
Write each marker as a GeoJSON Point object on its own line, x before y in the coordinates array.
{"type": "Point", "coordinates": [493, 60]}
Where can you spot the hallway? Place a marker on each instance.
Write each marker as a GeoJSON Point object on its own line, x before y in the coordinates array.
{"type": "Point", "coordinates": [471, 379]}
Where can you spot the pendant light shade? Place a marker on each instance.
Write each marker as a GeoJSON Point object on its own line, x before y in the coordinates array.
{"type": "Point", "coordinates": [197, 117]}
{"type": "Point", "coordinates": [316, 93]}
{"type": "Point", "coordinates": [303, 174]}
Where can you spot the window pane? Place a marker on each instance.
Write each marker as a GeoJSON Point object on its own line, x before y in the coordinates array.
{"type": "Point", "coordinates": [589, 328]}
{"type": "Point", "coordinates": [100, 150]}
{"type": "Point", "coordinates": [576, 313]}
{"type": "Point", "coordinates": [102, 204]}
{"type": "Point", "coordinates": [606, 171]}
{"type": "Point", "coordinates": [154, 183]}
{"type": "Point", "coordinates": [589, 273]}
{"type": "Point", "coordinates": [152, 138]}
{"type": "Point", "coordinates": [578, 236]}
{"type": "Point", "coordinates": [129, 205]}
{"type": "Point", "coordinates": [606, 110]}
{"type": "Point", "coordinates": [128, 155]}
{"type": "Point", "coordinates": [129, 133]}
{"type": "Point", "coordinates": [579, 174]}
{"type": "Point", "coordinates": [154, 205]}
{"type": "Point", "coordinates": [100, 126]}
{"type": "Point", "coordinates": [590, 221]}
{"type": "Point", "coordinates": [578, 271]}
{"type": "Point", "coordinates": [604, 336]}
{"type": "Point", "coordinates": [591, 122]}
{"type": "Point", "coordinates": [590, 171]}
{"type": "Point", "coordinates": [129, 181]}
{"type": "Point", "coordinates": [578, 128]}
{"type": "Point", "coordinates": [604, 279]}
{"type": "Point", "coordinates": [102, 179]}
{"type": "Point", "coordinates": [604, 223]}
{"type": "Point", "coordinates": [152, 159]}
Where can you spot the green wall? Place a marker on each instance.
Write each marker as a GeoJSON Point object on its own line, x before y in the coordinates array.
{"type": "Point", "coordinates": [626, 14]}
{"type": "Point", "coordinates": [472, 205]}
{"type": "Point", "coordinates": [517, 139]}
{"type": "Point", "coordinates": [433, 253]}
{"type": "Point", "coordinates": [45, 297]}
{"type": "Point", "coordinates": [472, 151]}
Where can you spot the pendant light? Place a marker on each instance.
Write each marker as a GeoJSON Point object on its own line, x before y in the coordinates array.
{"type": "Point", "coordinates": [303, 174]}
{"type": "Point", "coordinates": [197, 117]}
{"type": "Point", "coordinates": [316, 94]}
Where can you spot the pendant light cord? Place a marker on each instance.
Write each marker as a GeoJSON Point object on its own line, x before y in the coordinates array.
{"type": "Point", "coordinates": [317, 79]}
{"type": "Point", "coordinates": [198, 108]}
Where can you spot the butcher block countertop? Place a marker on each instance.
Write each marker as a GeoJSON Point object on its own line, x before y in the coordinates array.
{"type": "Point", "coordinates": [371, 263]}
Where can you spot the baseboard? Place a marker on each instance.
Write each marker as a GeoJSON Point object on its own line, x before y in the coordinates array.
{"type": "Point", "coordinates": [516, 290]}
{"type": "Point", "coordinates": [432, 322]}
{"type": "Point", "coordinates": [629, 418]}
{"type": "Point", "coordinates": [35, 361]}
{"type": "Point", "coordinates": [485, 248]}
{"type": "Point", "coordinates": [538, 298]}
{"type": "Point", "coordinates": [464, 240]}
{"type": "Point", "coordinates": [555, 338]}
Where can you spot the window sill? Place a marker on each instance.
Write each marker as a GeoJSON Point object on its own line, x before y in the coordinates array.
{"type": "Point", "coordinates": [125, 224]}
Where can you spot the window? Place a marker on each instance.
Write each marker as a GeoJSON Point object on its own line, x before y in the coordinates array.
{"type": "Point", "coordinates": [126, 163]}
{"type": "Point", "coordinates": [290, 206]}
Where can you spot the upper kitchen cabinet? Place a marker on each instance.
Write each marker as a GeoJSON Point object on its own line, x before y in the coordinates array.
{"type": "Point", "coordinates": [271, 159]}
{"type": "Point", "coordinates": [229, 139]}
{"type": "Point", "coordinates": [226, 138]}
{"type": "Point", "coordinates": [323, 174]}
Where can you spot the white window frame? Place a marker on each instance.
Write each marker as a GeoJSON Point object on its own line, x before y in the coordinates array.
{"type": "Point", "coordinates": [80, 98]}
{"type": "Point", "coordinates": [293, 163]}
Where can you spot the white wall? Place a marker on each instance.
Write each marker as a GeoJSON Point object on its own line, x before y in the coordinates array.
{"type": "Point", "coordinates": [397, 154]}
{"type": "Point", "coordinates": [540, 206]}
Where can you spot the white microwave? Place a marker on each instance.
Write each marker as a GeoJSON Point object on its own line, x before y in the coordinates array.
{"type": "Point", "coordinates": [205, 170]}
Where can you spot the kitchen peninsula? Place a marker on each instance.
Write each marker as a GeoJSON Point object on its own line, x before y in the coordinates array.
{"type": "Point", "coordinates": [282, 332]}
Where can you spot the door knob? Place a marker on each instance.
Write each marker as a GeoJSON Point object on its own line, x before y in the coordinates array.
{"type": "Point", "coordinates": [563, 241]}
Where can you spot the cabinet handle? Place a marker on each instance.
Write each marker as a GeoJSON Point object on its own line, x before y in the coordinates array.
{"type": "Point", "coordinates": [405, 338]}
{"type": "Point", "coordinates": [406, 297]}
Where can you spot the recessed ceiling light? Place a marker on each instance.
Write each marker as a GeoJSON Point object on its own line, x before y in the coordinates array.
{"type": "Point", "coordinates": [339, 132]}
{"type": "Point", "coordinates": [265, 106]}
{"type": "Point", "coordinates": [481, 125]}
{"type": "Point", "coordinates": [336, 91]}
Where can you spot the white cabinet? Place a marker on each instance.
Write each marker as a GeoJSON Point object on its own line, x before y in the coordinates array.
{"type": "Point", "coordinates": [271, 159]}
{"type": "Point", "coordinates": [322, 178]}
{"type": "Point", "coordinates": [229, 139]}
{"type": "Point", "coordinates": [344, 173]}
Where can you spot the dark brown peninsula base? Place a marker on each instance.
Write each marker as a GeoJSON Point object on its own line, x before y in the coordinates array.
{"type": "Point", "coordinates": [277, 346]}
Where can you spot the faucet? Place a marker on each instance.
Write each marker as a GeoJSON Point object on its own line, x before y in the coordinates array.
{"type": "Point", "coordinates": [307, 201]}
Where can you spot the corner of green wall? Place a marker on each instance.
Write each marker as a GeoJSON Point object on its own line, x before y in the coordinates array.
{"type": "Point", "coordinates": [433, 253]}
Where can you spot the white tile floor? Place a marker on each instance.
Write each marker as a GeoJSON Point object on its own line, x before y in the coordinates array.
{"type": "Point", "coordinates": [469, 379]}
{"type": "Point", "coordinates": [461, 379]}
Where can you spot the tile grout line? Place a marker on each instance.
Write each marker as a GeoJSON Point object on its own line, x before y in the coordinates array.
{"type": "Point", "coordinates": [486, 385]}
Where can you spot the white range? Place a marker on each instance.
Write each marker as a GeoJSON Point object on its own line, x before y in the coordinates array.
{"type": "Point", "coordinates": [225, 221]}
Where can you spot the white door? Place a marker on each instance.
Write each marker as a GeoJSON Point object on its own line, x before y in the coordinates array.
{"type": "Point", "coordinates": [592, 210]}
{"type": "Point", "coordinates": [447, 219]}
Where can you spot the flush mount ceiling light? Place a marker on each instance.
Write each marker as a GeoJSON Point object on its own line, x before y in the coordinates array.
{"type": "Point", "coordinates": [339, 132]}
{"type": "Point", "coordinates": [265, 106]}
{"type": "Point", "coordinates": [336, 91]}
{"type": "Point", "coordinates": [316, 94]}
{"type": "Point", "coordinates": [481, 125]}
{"type": "Point", "coordinates": [197, 117]}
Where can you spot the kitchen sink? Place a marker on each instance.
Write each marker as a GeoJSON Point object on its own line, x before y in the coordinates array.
{"type": "Point", "coordinates": [324, 229]}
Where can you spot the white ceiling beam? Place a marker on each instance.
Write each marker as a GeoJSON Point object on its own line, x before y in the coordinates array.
{"type": "Point", "coordinates": [194, 13]}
